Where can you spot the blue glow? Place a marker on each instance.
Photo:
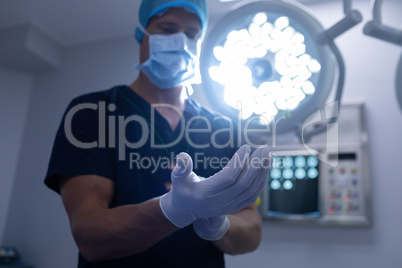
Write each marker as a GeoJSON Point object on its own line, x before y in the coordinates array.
{"type": "Point", "coordinates": [275, 173]}
{"type": "Point", "coordinates": [312, 173]}
{"type": "Point", "coordinates": [287, 185]}
{"type": "Point", "coordinates": [300, 161]}
{"type": "Point", "coordinates": [277, 162]}
{"type": "Point", "coordinates": [312, 161]}
{"type": "Point", "coordinates": [275, 185]}
{"type": "Point", "coordinates": [300, 173]}
{"type": "Point", "coordinates": [288, 161]}
{"type": "Point", "coordinates": [287, 173]}
{"type": "Point", "coordinates": [284, 214]}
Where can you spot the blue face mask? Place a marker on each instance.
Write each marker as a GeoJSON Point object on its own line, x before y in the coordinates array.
{"type": "Point", "coordinates": [173, 59]}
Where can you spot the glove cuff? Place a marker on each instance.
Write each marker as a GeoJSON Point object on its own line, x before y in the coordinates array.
{"type": "Point", "coordinates": [212, 229]}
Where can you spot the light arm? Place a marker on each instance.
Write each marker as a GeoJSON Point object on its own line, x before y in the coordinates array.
{"type": "Point", "coordinates": [104, 233]}
{"type": "Point", "coordinates": [244, 233]}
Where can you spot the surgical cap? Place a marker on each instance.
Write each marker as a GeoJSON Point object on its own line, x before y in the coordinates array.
{"type": "Point", "coordinates": [150, 8]}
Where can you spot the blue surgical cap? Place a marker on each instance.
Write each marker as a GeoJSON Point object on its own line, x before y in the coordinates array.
{"type": "Point", "coordinates": [150, 8]}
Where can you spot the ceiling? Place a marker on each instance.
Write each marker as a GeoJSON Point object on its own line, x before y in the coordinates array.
{"type": "Point", "coordinates": [78, 21]}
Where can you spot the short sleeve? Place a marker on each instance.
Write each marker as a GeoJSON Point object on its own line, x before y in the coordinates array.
{"type": "Point", "coordinates": [79, 147]}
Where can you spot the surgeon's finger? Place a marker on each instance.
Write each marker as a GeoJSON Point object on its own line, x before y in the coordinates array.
{"type": "Point", "coordinates": [253, 197]}
{"type": "Point", "coordinates": [249, 172]}
{"type": "Point", "coordinates": [228, 175]}
{"type": "Point", "coordinates": [183, 168]}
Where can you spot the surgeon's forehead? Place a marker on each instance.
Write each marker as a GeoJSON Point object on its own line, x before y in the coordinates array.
{"type": "Point", "coordinates": [177, 16]}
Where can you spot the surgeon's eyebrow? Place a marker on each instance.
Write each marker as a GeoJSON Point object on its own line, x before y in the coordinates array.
{"type": "Point", "coordinates": [171, 27]}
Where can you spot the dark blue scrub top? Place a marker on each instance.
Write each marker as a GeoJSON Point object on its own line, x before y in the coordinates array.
{"type": "Point", "coordinates": [121, 131]}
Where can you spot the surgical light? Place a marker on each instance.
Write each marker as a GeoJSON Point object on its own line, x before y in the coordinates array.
{"type": "Point", "coordinates": [271, 63]}
{"type": "Point", "coordinates": [376, 28]}
{"type": "Point", "coordinates": [398, 83]}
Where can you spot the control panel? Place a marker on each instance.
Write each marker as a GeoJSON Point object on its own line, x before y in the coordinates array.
{"type": "Point", "coordinates": [8, 255]}
{"type": "Point", "coordinates": [345, 195]}
{"type": "Point", "coordinates": [329, 184]}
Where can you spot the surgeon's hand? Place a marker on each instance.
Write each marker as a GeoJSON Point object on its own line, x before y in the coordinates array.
{"type": "Point", "coordinates": [211, 229]}
{"type": "Point", "coordinates": [233, 188]}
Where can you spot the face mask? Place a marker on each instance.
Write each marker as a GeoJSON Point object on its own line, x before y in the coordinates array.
{"type": "Point", "coordinates": [173, 59]}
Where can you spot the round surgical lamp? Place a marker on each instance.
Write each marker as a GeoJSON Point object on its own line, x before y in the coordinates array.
{"type": "Point", "coordinates": [399, 83]}
{"type": "Point", "coordinates": [272, 64]}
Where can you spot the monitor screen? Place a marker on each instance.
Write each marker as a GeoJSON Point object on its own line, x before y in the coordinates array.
{"type": "Point", "coordinates": [293, 186]}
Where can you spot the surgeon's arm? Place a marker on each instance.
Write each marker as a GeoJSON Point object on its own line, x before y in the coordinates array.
{"type": "Point", "coordinates": [244, 233]}
{"type": "Point", "coordinates": [104, 233]}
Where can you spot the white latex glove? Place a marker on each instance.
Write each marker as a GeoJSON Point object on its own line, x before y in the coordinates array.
{"type": "Point", "coordinates": [233, 188]}
{"type": "Point", "coordinates": [211, 229]}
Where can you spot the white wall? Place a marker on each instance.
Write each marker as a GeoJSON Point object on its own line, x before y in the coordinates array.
{"type": "Point", "coordinates": [15, 92]}
{"type": "Point", "coordinates": [38, 226]}
{"type": "Point", "coordinates": [37, 223]}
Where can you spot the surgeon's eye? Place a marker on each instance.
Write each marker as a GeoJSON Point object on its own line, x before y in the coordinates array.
{"type": "Point", "coordinates": [169, 30]}
{"type": "Point", "coordinates": [193, 35]}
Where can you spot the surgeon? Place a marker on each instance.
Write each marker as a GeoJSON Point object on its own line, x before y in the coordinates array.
{"type": "Point", "coordinates": [148, 177]}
